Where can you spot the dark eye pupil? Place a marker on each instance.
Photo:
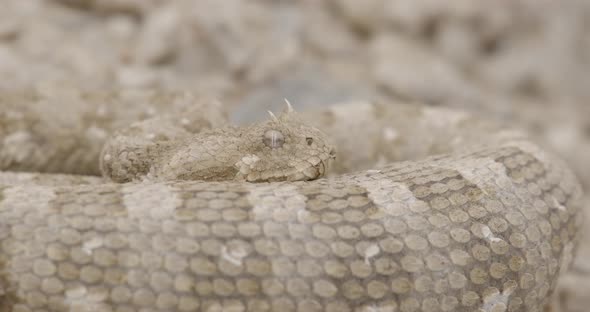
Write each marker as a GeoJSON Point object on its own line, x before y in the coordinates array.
{"type": "Point", "coordinates": [309, 141]}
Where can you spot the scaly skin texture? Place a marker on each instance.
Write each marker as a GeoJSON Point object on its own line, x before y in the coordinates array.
{"type": "Point", "coordinates": [488, 227]}
{"type": "Point", "coordinates": [64, 132]}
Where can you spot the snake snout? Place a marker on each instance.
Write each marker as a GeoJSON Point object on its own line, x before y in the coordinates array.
{"type": "Point", "coordinates": [332, 153]}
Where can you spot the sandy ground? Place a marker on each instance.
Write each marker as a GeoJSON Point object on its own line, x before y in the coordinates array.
{"type": "Point", "coordinates": [524, 61]}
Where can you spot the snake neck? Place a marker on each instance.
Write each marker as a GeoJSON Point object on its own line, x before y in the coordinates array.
{"type": "Point", "coordinates": [208, 156]}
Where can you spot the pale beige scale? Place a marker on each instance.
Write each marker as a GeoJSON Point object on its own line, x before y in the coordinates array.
{"type": "Point", "coordinates": [488, 224]}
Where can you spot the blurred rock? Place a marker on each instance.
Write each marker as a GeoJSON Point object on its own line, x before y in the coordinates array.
{"type": "Point", "coordinates": [408, 69]}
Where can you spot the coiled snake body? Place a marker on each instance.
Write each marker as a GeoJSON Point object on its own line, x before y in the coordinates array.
{"type": "Point", "coordinates": [487, 224]}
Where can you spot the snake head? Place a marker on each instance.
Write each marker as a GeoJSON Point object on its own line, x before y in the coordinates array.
{"type": "Point", "coordinates": [283, 148]}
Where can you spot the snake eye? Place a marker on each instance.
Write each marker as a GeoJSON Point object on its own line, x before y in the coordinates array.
{"type": "Point", "coordinates": [309, 141]}
{"type": "Point", "coordinates": [273, 139]}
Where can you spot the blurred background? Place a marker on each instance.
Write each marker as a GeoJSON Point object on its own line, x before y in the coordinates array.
{"type": "Point", "coordinates": [522, 61]}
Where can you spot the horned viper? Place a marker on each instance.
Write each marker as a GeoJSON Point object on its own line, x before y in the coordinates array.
{"type": "Point", "coordinates": [427, 209]}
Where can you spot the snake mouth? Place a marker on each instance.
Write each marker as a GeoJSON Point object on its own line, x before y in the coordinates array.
{"type": "Point", "coordinates": [322, 168]}
{"type": "Point", "coordinates": [313, 172]}
{"type": "Point", "coordinates": [319, 170]}
{"type": "Point", "coordinates": [308, 173]}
